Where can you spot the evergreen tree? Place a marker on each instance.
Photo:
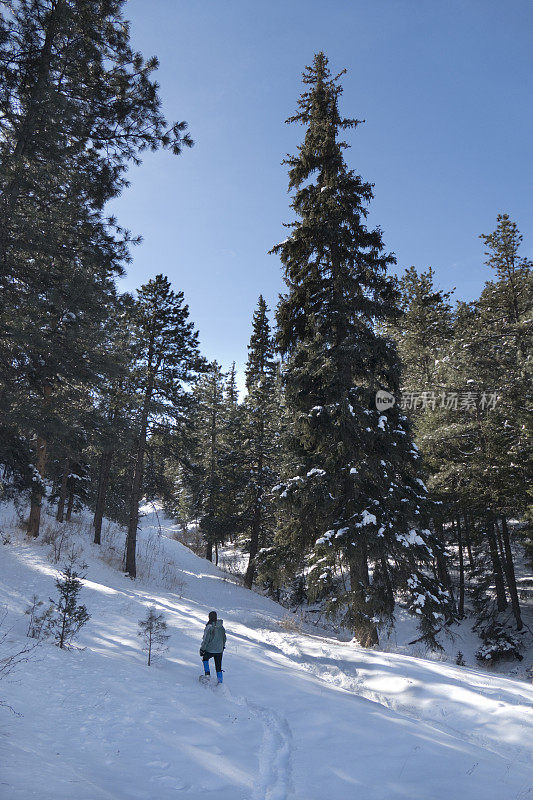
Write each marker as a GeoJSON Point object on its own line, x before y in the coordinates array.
{"type": "Point", "coordinates": [68, 616]}
{"type": "Point", "coordinates": [423, 335]}
{"type": "Point", "coordinates": [117, 411]}
{"type": "Point", "coordinates": [262, 437]}
{"type": "Point", "coordinates": [77, 104]}
{"type": "Point", "coordinates": [231, 462]}
{"type": "Point", "coordinates": [471, 419]}
{"type": "Point", "coordinates": [355, 491]}
{"type": "Point", "coordinates": [167, 359]}
{"type": "Point", "coordinates": [205, 477]}
{"type": "Point", "coordinates": [505, 310]}
{"type": "Point", "coordinates": [423, 331]}
{"type": "Point", "coordinates": [153, 631]}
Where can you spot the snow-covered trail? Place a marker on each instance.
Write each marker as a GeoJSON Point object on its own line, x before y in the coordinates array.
{"type": "Point", "coordinates": [300, 716]}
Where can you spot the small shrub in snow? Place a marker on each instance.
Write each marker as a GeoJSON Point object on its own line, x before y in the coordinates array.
{"type": "Point", "coordinates": [169, 577]}
{"type": "Point", "coordinates": [460, 660]}
{"type": "Point", "coordinates": [499, 643]}
{"type": "Point", "coordinates": [59, 537]}
{"type": "Point", "coordinates": [291, 623]}
{"type": "Point", "coordinates": [68, 617]}
{"type": "Point", "coordinates": [176, 584]}
{"type": "Point", "coordinates": [193, 538]}
{"type": "Point", "coordinates": [152, 630]}
{"type": "Point", "coordinates": [40, 620]}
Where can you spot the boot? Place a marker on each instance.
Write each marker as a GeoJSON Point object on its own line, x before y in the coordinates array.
{"type": "Point", "coordinates": [219, 677]}
{"type": "Point", "coordinates": [206, 669]}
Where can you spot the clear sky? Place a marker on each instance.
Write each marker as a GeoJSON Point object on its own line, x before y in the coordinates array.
{"type": "Point", "coordinates": [446, 92]}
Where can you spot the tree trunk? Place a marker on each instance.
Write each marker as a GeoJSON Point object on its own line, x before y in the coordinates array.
{"type": "Point", "coordinates": [501, 599]}
{"type": "Point", "coordinates": [442, 568]}
{"type": "Point", "coordinates": [63, 491]}
{"type": "Point", "coordinates": [36, 501]}
{"type": "Point", "coordinates": [364, 630]}
{"type": "Point", "coordinates": [212, 471]}
{"type": "Point", "coordinates": [510, 574]}
{"type": "Point", "coordinates": [103, 482]}
{"type": "Point", "coordinates": [388, 586]}
{"type": "Point", "coordinates": [254, 546]}
{"type": "Point", "coordinates": [255, 532]}
{"type": "Point", "coordinates": [468, 542]}
{"type": "Point", "coordinates": [133, 523]}
{"type": "Point", "coordinates": [209, 550]}
{"type": "Point", "coordinates": [461, 605]}
{"type": "Point", "coordinates": [131, 541]}
{"type": "Point", "coordinates": [256, 525]}
{"type": "Point", "coordinates": [216, 554]}
{"type": "Point", "coordinates": [70, 505]}
{"type": "Point", "coordinates": [500, 544]}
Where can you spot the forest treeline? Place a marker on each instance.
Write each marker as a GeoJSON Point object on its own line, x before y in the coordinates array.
{"type": "Point", "coordinates": [384, 440]}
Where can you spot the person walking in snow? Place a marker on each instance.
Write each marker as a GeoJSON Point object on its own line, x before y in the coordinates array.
{"type": "Point", "coordinates": [213, 644]}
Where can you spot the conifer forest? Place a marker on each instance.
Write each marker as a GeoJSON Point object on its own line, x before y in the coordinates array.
{"type": "Point", "coordinates": [377, 460]}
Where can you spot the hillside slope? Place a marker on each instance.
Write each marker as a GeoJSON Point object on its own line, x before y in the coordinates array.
{"type": "Point", "coordinates": [300, 716]}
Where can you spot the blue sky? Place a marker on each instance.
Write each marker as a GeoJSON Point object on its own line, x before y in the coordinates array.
{"type": "Point", "coordinates": [445, 89]}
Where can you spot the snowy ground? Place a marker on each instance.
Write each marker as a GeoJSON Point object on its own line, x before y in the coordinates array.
{"type": "Point", "coordinates": [458, 639]}
{"type": "Point", "coordinates": [301, 716]}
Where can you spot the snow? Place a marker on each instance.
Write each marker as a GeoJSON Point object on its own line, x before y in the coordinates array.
{"type": "Point", "coordinates": [366, 519]}
{"type": "Point", "coordinates": [410, 538]}
{"type": "Point", "coordinates": [326, 538]}
{"type": "Point", "coordinates": [301, 715]}
{"type": "Point", "coordinates": [316, 472]}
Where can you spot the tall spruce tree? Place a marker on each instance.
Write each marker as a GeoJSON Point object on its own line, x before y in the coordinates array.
{"type": "Point", "coordinates": [262, 437]}
{"type": "Point", "coordinates": [355, 491]}
{"type": "Point", "coordinates": [423, 335]}
{"type": "Point", "coordinates": [167, 360]}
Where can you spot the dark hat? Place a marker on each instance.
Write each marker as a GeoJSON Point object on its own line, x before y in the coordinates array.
{"type": "Point", "coordinates": [212, 616]}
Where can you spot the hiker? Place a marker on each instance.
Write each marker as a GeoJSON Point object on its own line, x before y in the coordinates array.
{"type": "Point", "coordinates": [213, 644]}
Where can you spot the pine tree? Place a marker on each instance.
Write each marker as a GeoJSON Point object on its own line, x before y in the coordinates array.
{"type": "Point", "coordinates": [423, 336]}
{"type": "Point", "coordinates": [476, 452]}
{"type": "Point", "coordinates": [355, 492]}
{"type": "Point", "coordinates": [423, 331]}
{"type": "Point", "coordinates": [116, 410]}
{"type": "Point", "coordinates": [77, 106]}
{"type": "Point", "coordinates": [262, 437]}
{"type": "Point", "coordinates": [153, 631]}
{"type": "Point", "coordinates": [167, 359]}
{"type": "Point", "coordinates": [69, 617]}
{"type": "Point", "coordinates": [505, 309]}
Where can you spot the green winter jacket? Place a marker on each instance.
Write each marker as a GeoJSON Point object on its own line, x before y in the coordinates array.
{"type": "Point", "coordinates": [214, 639]}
